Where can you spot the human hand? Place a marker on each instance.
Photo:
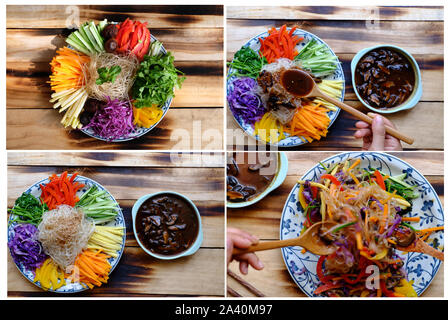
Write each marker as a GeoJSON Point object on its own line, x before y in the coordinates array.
{"type": "Point", "coordinates": [375, 137]}
{"type": "Point", "coordinates": [237, 238]}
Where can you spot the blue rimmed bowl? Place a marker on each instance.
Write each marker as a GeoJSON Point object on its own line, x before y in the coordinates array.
{"type": "Point", "coordinates": [191, 250]}
{"type": "Point", "coordinates": [420, 268]}
{"type": "Point", "coordinates": [416, 94]}
{"type": "Point", "coordinates": [280, 176]}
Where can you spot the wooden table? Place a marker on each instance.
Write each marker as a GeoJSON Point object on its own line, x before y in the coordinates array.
{"type": "Point", "coordinates": [194, 34]}
{"type": "Point", "coordinates": [263, 220]}
{"type": "Point", "coordinates": [128, 177]}
{"type": "Point", "coordinates": [347, 30]}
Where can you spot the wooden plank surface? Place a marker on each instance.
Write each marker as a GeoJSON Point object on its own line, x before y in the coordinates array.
{"type": "Point", "coordinates": [340, 13]}
{"type": "Point", "coordinates": [347, 33]}
{"type": "Point", "coordinates": [127, 178]}
{"type": "Point", "coordinates": [194, 34]}
{"type": "Point", "coordinates": [56, 16]}
{"type": "Point", "coordinates": [263, 220]}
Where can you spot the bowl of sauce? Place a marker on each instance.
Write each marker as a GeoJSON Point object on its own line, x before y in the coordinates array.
{"type": "Point", "coordinates": [167, 225]}
{"type": "Point", "coordinates": [253, 175]}
{"type": "Point", "coordinates": [386, 79]}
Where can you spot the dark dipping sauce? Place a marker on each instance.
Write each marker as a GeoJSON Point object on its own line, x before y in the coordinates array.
{"type": "Point", "coordinates": [166, 224]}
{"type": "Point", "coordinates": [249, 174]}
{"type": "Point", "coordinates": [297, 82]}
{"type": "Point", "coordinates": [384, 78]}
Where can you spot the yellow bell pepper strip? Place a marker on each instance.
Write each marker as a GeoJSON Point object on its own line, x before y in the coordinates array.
{"type": "Point", "coordinates": [354, 165]}
{"type": "Point", "coordinates": [380, 255]}
{"type": "Point", "coordinates": [314, 184]}
{"type": "Point", "coordinates": [302, 198]}
{"type": "Point", "coordinates": [405, 288]}
{"type": "Point", "coordinates": [359, 244]}
{"type": "Point", "coordinates": [147, 116]}
{"type": "Point", "coordinates": [322, 207]}
{"type": "Point", "coordinates": [354, 178]}
{"type": "Point", "coordinates": [50, 276]}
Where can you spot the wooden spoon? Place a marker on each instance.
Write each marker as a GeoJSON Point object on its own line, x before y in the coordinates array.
{"type": "Point", "coordinates": [421, 246]}
{"type": "Point", "coordinates": [310, 240]}
{"type": "Point", "coordinates": [301, 84]}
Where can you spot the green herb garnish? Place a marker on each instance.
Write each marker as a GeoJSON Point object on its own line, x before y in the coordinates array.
{"type": "Point", "coordinates": [155, 80]}
{"type": "Point", "coordinates": [344, 226]}
{"type": "Point", "coordinates": [108, 74]}
{"type": "Point", "coordinates": [28, 209]}
{"type": "Point", "coordinates": [247, 63]}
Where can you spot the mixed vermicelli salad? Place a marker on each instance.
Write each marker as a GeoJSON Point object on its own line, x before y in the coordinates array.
{"type": "Point", "coordinates": [63, 236]}
{"type": "Point", "coordinates": [369, 209]}
{"type": "Point", "coordinates": [258, 99]}
{"type": "Point", "coordinates": [113, 79]}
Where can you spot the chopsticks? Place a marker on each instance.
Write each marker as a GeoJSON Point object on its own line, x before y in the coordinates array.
{"type": "Point", "coordinates": [245, 284]}
{"type": "Point", "coordinates": [232, 292]}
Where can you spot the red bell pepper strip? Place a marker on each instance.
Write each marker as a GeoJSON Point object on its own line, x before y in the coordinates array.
{"type": "Point", "coordinates": [380, 180]}
{"type": "Point", "coordinates": [319, 271]}
{"type": "Point", "coordinates": [314, 190]}
{"type": "Point", "coordinates": [134, 39]}
{"type": "Point", "coordinates": [384, 290]}
{"type": "Point", "coordinates": [327, 286]}
{"type": "Point", "coordinates": [331, 178]}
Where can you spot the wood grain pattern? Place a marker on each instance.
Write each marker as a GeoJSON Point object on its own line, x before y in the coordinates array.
{"type": "Point", "coordinates": [348, 37]}
{"type": "Point", "coordinates": [263, 219]}
{"type": "Point", "coordinates": [428, 115]}
{"type": "Point", "coordinates": [186, 44]}
{"type": "Point", "coordinates": [174, 16]}
{"type": "Point", "coordinates": [198, 130]}
{"type": "Point", "coordinates": [426, 13]}
{"type": "Point", "coordinates": [114, 159]}
{"type": "Point", "coordinates": [347, 33]}
{"type": "Point", "coordinates": [194, 34]}
{"type": "Point", "coordinates": [127, 178]}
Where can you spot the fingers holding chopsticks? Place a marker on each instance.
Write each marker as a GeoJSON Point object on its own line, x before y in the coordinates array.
{"type": "Point", "coordinates": [375, 137]}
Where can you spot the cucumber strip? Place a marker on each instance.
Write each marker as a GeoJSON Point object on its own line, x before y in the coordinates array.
{"type": "Point", "coordinates": [84, 37]}
{"type": "Point", "coordinates": [102, 25]}
{"type": "Point", "coordinates": [97, 36]}
{"type": "Point", "coordinates": [85, 42]}
{"type": "Point", "coordinates": [91, 38]}
{"type": "Point", "coordinates": [78, 46]}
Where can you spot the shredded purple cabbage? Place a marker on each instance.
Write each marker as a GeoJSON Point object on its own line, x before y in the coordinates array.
{"type": "Point", "coordinates": [244, 102]}
{"type": "Point", "coordinates": [25, 248]}
{"type": "Point", "coordinates": [394, 225]}
{"type": "Point", "coordinates": [114, 121]}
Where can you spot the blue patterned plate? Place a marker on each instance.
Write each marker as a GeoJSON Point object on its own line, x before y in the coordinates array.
{"type": "Point", "coordinates": [254, 44]}
{"type": "Point", "coordinates": [419, 267]}
{"type": "Point", "coordinates": [118, 222]}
